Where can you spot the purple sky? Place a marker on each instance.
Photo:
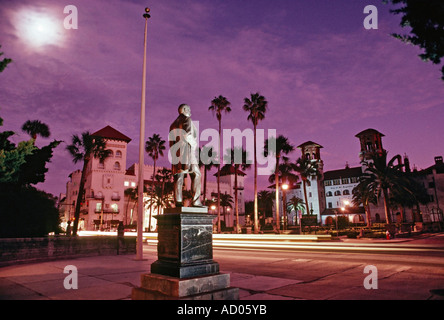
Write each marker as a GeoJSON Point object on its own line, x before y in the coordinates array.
{"type": "Point", "coordinates": [325, 76]}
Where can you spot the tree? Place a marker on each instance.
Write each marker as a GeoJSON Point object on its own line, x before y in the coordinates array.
{"type": "Point", "coordinates": [426, 20]}
{"type": "Point", "coordinates": [285, 175]}
{"type": "Point", "coordinates": [408, 193]}
{"type": "Point", "coordinates": [154, 147]}
{"type": "Point", "coordinates": [3, 64]}
{"type": "Point", "coordinates": [218, 106]}
{"type": "Point", "coordinates": [296, 204]}
{"type": "Point", "coordinates": [24, 210]}
{"type": "Point", "coordinates": [362, 194]}
{"type": "Point", "coordinates": [165, 177]}
{"type": "Point", "coordinates": [226, 201]}
{"type": "Point", "coordinates": [36, 127]}
{"type": "Point", "coordinates": [381, 176]}
{"type": "Point", "coordinates": [279, 146]}
{"type": "Point", "coordinates": [207, 159]}
{"type": "Point", "coordinates": [27, 212]}
{"type": "Point", "coordinates": [265, 202]}
{"type": "Point", "coordinates": [238, 159]}
{"type": "Point", "coordinates": [307, 169]}
{"type": "Point", "coordinates": [84, 148]}
{"type": "Point", "coordinates": [256, 106]}
{"type": "Point", "coordinates": [131, 197]}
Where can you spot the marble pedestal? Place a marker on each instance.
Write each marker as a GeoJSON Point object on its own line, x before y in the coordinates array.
{"type": "Point", "coordinates": [185, 268]}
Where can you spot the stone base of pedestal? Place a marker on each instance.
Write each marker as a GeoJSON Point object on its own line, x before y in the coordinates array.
{"type": "Point", "coordinates": [185, 271]}
{"type": "Point", "coordinates": [161, 287]}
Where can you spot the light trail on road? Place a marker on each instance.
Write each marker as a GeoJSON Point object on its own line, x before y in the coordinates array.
{"type": "Point", "coordinates": [314, 243]}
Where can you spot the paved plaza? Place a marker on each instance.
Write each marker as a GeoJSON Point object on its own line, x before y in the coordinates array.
{"type": "Point", "coordinates": [258, 275]}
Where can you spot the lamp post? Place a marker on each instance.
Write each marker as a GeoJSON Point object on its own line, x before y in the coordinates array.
{"type": "Point", "coordinates": [284, 205]}
{"type": "Point", "coordinates": [139, 249]}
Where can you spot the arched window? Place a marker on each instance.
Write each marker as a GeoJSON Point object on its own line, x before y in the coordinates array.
{"type": "Point", "coordinates": [101, 165]}
{"type": "Point", "coordinates": [111, 153]}
{"type": "Point", "coordinates": [337, 193]}
{"type": "Point", "coordinates": [346, 192]}
{"type": "Point", "coordinates": [116, 165]}
{"type": "Point", "coordinates": [118, 154]}
{"type": "Point", "coordinates": [329, 194]}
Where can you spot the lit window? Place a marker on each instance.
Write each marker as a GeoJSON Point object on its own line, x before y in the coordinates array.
{"type": "Point", "coordinates": [133, 184]}
{"type": "Point", "coordinates": [126, 183]}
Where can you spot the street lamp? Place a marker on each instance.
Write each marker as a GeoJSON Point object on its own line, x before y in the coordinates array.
{"type": "Point", "coordinates": [140, 211]}
{"type": "Point", "coordinates": [284, 205]}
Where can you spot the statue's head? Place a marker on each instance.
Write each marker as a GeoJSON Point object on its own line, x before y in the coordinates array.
{"type": "Point", "coordinates": [185, 110]}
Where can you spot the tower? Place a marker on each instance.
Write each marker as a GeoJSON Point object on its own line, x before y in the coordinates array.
{"type": "Point", "coordinates": [104, 186]}
{"type": "Point", "coordinates": [371, 144]}
{"type": "Point", "coordinates": [314, 186]}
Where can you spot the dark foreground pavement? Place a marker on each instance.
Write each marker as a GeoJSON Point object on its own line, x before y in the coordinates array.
{"type": "Point", "coordinates": [260, 275]}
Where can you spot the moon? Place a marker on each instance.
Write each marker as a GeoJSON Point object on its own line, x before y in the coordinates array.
{"type": "Point", "coordinates": [39, 28]}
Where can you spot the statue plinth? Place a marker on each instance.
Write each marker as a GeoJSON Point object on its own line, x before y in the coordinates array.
{"type": "Point", "coordinates": [185, 247]}
{"type": "Point", "coordinates": [185, 264]}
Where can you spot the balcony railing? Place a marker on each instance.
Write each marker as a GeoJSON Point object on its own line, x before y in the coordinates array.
{"type": "Point", "coordinates": [107, 211]}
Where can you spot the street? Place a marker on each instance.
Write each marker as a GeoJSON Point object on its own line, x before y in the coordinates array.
{"type": "Point", "coordinates": [409, 270]}
{"type": "Point", "coordinates": [343, 270]}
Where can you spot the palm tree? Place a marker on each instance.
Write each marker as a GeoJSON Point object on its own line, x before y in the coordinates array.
{"type": "Point", "coordinates": [154, 147]}
{"type": "Point", "coordinates": [226, 200]}
{"type": "Point", "coordinates": [296, 204]}
{"type": "Point", "coordinates": [279, 146]}
{"type": "Point", "coordinates": [131, 194]}
{"type": "Point", "coordinates": [84, 148]}
{"type": "Point", "coordinates": [218, 106]}
{"type": "Point", "coordinates": [381, 176]}
{"type": "Point", "coordinates": [159, 199]}
{"type": "Point", "coordinates": [408, 193]}
{"type": "Point", "coordinates": [207, 159]}
{"type": "Point", "coordinates": [236, 158]}
{"type": "Point", "coordinates": [306, 168]}
{"type": "Point", "coordinates": [165, 177]}
{"type": "Point", "coordinates": [285, 175]}
{"type": "Point", "coordinates": [36, 127]}
{"type": "Point", "coordinates": [363, 195]}
{"type": "Point", "coordinates": [256, 105]}
{"type": "Point", "coordinates": [265, 201]}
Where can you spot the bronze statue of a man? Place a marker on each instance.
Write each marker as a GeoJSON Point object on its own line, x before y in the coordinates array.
{"type": "Point", "coordinates": [183, 150]}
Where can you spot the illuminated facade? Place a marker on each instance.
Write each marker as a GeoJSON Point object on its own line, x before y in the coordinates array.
{"type": "Point", "coordinates": [108, 198]}
{"type": "Point", "coordinates": [331, 194]}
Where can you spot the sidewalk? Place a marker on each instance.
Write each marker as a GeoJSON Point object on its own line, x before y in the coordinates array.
{"type": "Point", "coordinates": [113, 277]}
